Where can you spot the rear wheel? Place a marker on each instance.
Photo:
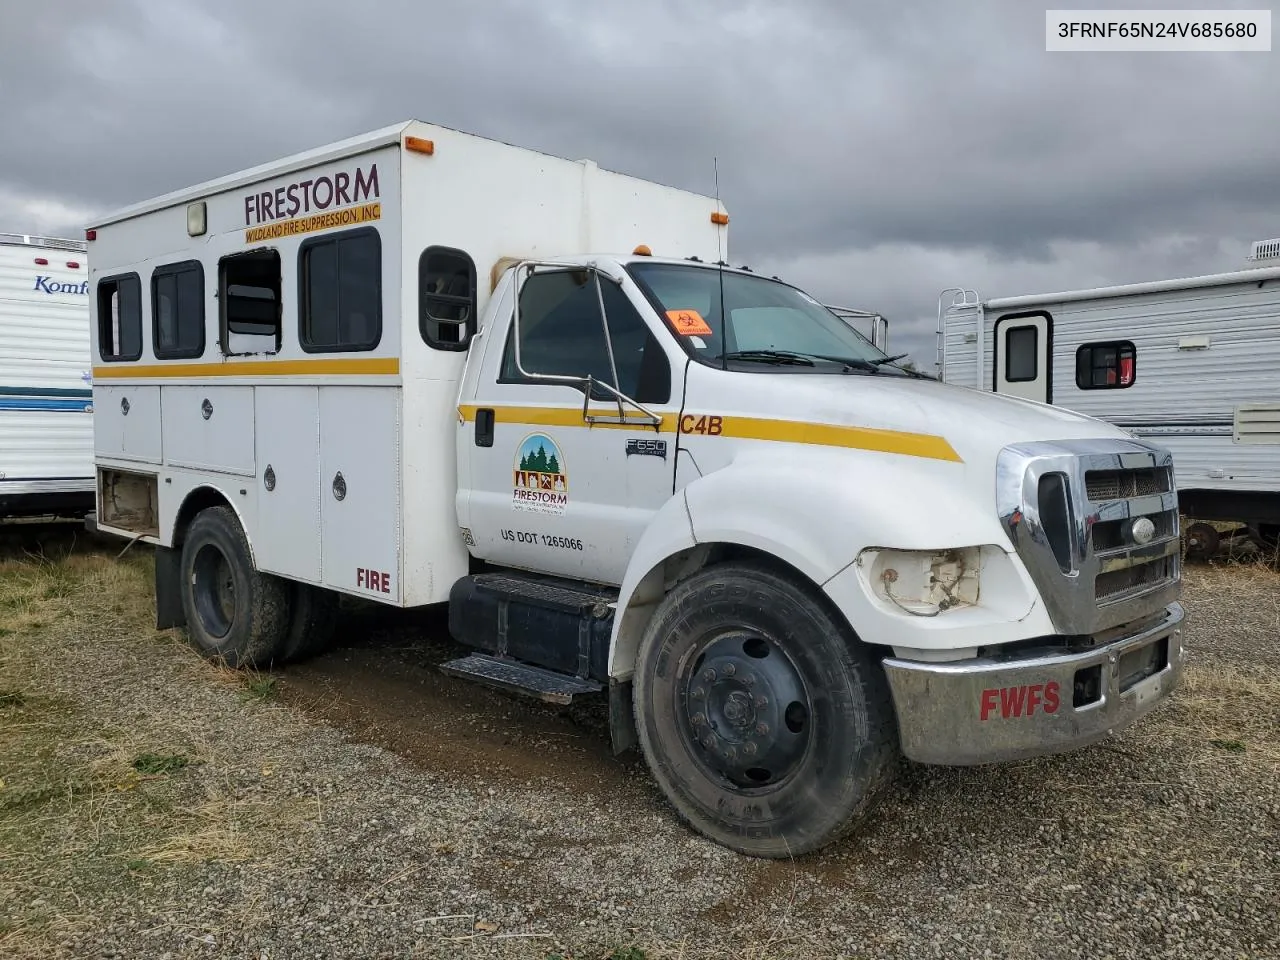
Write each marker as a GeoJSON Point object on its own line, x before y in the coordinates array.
{"type": "Point", "coordinates": [768, 727]}
{"type": "Point", "coordinates": [1203, 540]}
{"type": "Point", "coordinates": [1266, 536]}
{"type": "Point", "coordinates": [313, 619]}
{"type": "Point", "coordinates": [235, 614]}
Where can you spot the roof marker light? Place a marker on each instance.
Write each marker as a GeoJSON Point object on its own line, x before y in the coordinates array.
{"type": "Point", "coordinates": [719, 217]}
{"type": "Point", "coordinates": [91, 234]}
{"type": "Point", "coordinates": [642, 251]}
{"type": "Point", "coordinates": [41, 262]}
{"type": "Point", "coordinates": [420, 145]}
{"type": "Point", "coordinates": [73, 265]}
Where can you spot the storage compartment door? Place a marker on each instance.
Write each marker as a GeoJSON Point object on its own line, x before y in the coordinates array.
{"type": "Point", "coordinates": [288, 455]}
{"type": "Point", "coordinates": [126, 422]}
{"type": "Point", "coordinates": [359, 490]}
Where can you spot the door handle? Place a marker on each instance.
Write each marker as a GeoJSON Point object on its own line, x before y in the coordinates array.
{"type": "Point", "coordinates": [484, 427]}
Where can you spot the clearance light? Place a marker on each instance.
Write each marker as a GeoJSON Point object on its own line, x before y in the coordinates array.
{"type": "Point", "coordinates": [91, 234]}
{"type": "Point", "coordinates": [196, 219]}
{"type": "Point", "coordinates": [419, 145]}
{"type": "Point", "coordinates": [72, 265]}
{"type": "Point", "coordinates": [642, 251]}
{"type": "Point", "coordinates": [719, 218]}
{"type": "Point", "coordinates": [41, 262]}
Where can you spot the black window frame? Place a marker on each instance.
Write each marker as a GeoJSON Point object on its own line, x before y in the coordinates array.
{"type": "Point", "coordinates": [116, 279]}
{"type": "Point", "coordinates": [224, 299]}
{"type": "Point", "coordinates": [1035, 352]}
{"type": "Point", "coordinates": [653, 341]}
{"type": "Point", "coordinates": [168, 270]}
{"type": "Point", "coordinates": [1119, 346]}
{"type": "Point", "coordinates": [304, 299]}
{"type": "Point", "coordinates": [424, 313]}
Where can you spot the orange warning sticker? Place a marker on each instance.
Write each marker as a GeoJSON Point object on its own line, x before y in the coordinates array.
{"type": "Point", "coordinates": [689, 323]}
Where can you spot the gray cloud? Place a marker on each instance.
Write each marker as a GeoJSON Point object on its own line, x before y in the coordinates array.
{"type": "Point", "coordinates": [874, 152]}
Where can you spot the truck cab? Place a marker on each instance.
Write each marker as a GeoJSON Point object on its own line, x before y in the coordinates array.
{"type": "Point", "coordinates": [785, 560]}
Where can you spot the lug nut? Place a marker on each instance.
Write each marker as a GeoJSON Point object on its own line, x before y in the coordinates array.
{"type": "Point", "coordinates": [749, 681]}
{"type": "Point", "coordinates": [730, 670]}
{"type": "Point", "coordinates": [709, 675]}
{"type": "Point", "coordinates": [699, 693]}
{"type": "Point", "coordinates": [761, 701]}
{"type": "Point", "coordinates": [762, 729]}
{"type": "Point", "coordinates": [699, 719]}
{"type": "Point", "coordinates": [749, 749]}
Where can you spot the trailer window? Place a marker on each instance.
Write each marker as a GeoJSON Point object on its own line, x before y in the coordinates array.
{"type": "Point", "coordinates": [1021, 349]}
{"type": "Point", "coordinates": [561, 334]}
{"type": "Point", "coordinates": [1106, 366]}
{"type": "Point", "coordinates": [120, 318]}
{"type": "Point", "coordinates": [249, 292]}
{"type": "Point", "coordinates": [177, 310]}
{"type": "Point", "coordinates": [447, 298]}
{"type": "Point", "coordinates": [340, 289]}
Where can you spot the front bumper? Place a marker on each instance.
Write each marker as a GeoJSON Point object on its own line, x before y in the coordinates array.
{"type": "Point", "coordinates": [996, 709]}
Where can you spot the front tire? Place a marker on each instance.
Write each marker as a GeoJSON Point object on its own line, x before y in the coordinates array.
{"type": "Point", "coordinates": [766, 724]}
{"type": "Point", "coordinates": [235, 614]}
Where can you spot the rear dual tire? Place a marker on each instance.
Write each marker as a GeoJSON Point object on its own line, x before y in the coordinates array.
{"type": "Point", "coordinates": [768, 726]}
{"type": "Point", "coordinates": [239, 616]}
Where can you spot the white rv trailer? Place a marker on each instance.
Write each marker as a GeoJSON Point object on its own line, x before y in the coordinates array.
{"type": "Point", "coordinates": [418, 366]}
{"type": "Point", "coordinates": [1191, 363]}
{"type": "Point", "coordinates": [46, 395]}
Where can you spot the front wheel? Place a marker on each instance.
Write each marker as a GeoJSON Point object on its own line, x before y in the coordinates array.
{"type": "Point", "coordinates": [766, 724]}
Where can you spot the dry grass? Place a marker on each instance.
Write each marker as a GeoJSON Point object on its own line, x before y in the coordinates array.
{"type": "Point", "coordinates": [93, 794]}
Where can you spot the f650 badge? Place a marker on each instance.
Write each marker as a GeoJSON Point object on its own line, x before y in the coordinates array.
{"type": "Point", "coordinates": [647, 448]}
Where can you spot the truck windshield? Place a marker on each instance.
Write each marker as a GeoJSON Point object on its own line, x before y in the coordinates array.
{"type": "Point", "coordinates": [755, 323]}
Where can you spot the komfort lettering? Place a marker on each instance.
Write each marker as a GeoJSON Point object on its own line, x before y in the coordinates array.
{"type": "Point", "coordinates": [50, 285]}
{"type": "Point", "coordinates": [319, 193]}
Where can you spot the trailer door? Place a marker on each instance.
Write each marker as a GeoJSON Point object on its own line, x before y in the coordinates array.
{"type": "Point", "coordinates": [1022, 356]}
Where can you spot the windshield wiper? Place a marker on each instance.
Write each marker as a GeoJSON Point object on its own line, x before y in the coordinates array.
{"type": "Point", "coordinates": [771, 356]}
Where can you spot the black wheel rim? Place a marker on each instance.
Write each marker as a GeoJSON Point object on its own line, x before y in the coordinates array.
{"type": "Point", "coordinates": [743, 710]}
{"type": "Point", "coordinates": [214, 589]}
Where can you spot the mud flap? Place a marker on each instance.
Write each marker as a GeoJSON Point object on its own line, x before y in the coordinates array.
{"type": "Point", "coordinates": [622, 722]}
{"type": "Point", "coordinates": [169, 612]}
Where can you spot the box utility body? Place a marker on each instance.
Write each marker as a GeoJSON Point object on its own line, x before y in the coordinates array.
{"type": "Point", "coordinates": [1191, 363]}
{"type": "Point", "coordinates": [46, 394]}
{"type": "Point", "coordinates": [422, 367]}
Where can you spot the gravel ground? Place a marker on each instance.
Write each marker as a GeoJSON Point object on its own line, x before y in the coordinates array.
{"type": "Point", "coordinates": [365, 806]}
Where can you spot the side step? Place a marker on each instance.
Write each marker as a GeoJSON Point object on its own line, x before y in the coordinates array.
{"type": "Point", "coordinates": [505, 674]}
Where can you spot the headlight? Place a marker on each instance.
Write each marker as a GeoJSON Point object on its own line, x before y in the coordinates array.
{"type": "Point", "coordinates": [924, 583]}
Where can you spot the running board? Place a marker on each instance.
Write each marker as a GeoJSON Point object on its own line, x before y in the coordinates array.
{"type": "Point", "coordinates": [504, 674]}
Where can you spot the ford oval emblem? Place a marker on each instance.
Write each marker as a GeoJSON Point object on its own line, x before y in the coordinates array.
{"type": "Point", "coordinates": [1142, 531]}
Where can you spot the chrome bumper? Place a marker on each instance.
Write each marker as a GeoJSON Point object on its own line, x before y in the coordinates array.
{"type": "Point", "coordinates": [993, 709]}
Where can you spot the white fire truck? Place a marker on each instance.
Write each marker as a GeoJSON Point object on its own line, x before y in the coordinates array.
{"type": "Point", "coordinates": [422, 367]}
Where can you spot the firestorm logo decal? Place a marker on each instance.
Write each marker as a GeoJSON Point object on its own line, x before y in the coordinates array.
{"type": "Point", "coordinates": [541, 480]}
{"type": "Point", "coordinates": [342, 199]}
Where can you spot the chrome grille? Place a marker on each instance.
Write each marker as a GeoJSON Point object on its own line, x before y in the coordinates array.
{"type": "Point", "coordinates": [1088, 566]}
{"type": "Point", "coordinates": [1104, 485]}
{"type": "Point", "coordinates": [1116, 584]}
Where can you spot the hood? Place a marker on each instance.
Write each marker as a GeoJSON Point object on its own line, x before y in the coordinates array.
{"type": "Point", "coordinates": [976, 424]}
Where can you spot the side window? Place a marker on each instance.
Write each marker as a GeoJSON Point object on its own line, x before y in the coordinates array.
{"type": "Point", "coordinates": [1106, 366]}
{"type": "Point", "coordinates": [446, 298]}
{"type": "Point", "coordinates": [340, 292]}
{"type": "Point", "coordinates": [249, 294]}
{"type": "Point", "coordinates": [177, 310]}
{"type": "Point", "coordinates": [1021, 349]}
{"type": "Point", "coordinates": [561, 334]}
{"type": "Point", "coordinates": [120, 318]}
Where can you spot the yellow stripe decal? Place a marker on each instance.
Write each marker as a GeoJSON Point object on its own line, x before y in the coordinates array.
{"type": "Point", "coordinates": [922, 445]}
{"type": "Point", "coordinates": [569, 417]}
{"type": "Point", "coordinates": [830, 435]}
{"type": "Point", "coordinates": [328, 366]}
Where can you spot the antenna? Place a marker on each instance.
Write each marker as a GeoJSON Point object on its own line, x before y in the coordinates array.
{"type": "Point", "coordinates": [724, 319]}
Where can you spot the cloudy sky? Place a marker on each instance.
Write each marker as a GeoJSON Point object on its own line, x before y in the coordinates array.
{"type": "Point", "coordinates": [873, 152]}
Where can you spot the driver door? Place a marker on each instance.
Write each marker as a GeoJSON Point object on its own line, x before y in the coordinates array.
{"type": "Point", "coordinates": [550, 491]}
